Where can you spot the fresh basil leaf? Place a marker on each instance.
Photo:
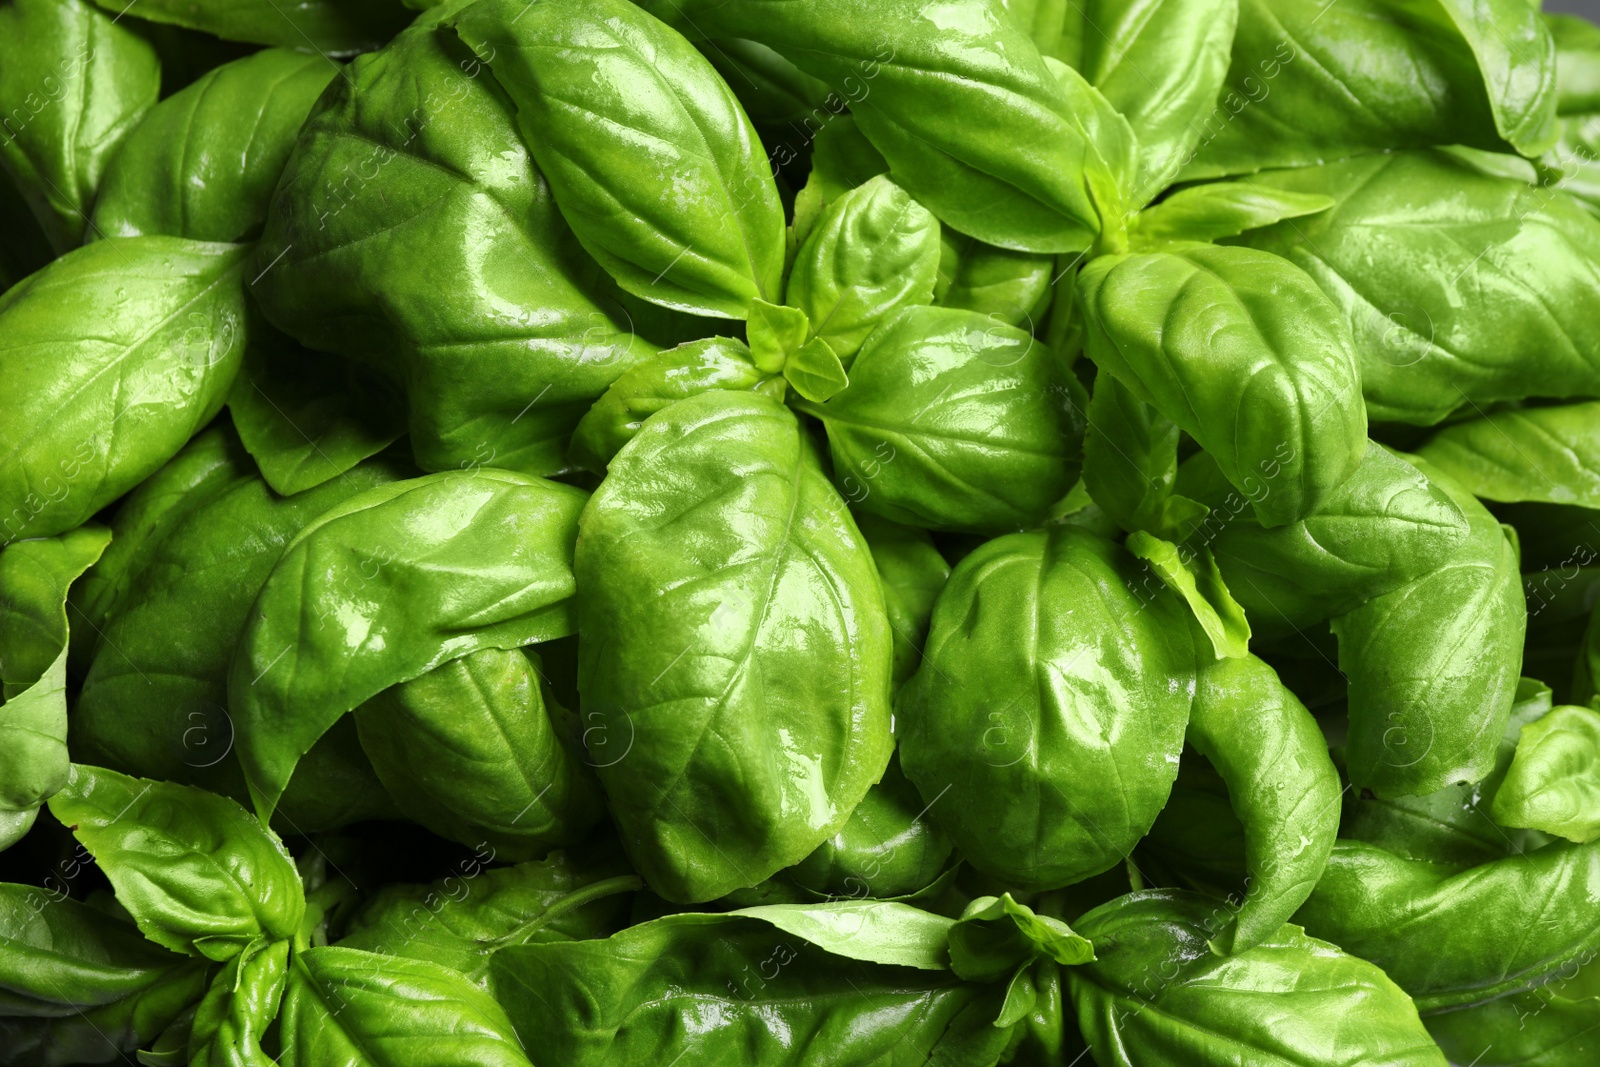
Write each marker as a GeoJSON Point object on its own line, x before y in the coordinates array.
{"type": "Point", "coordinates": [471, 751]}
{"type": "Point", "coordinates": [873, 251]}
{"type": "Point", "coordinates": [1020, 728]}
{"type": "Point", "coordinates": [841, 159]}
{"type": "Point", "coordinates": [875, 931]}
{"type": "Point", "coordinates": [911, 572]}
{"type": "Point", "coordinates": [996, 935]}
{"type": "Point", "coordinates": [386, 586]}
{"type": "Point", "coordinates": [74, 84]}
{"type": "Point", "coordinates": [1430, 929]}
{"type": "Point", "coordinates": [308, 417]}
{"type": "Point", "coordinates": [1550, 454]}
{"type": "Point", "coordinates": [33, 760]}
{"type": "Point", "coordinates": [771, 89]}
{"type": "Point", "coordinates": [1130, 463]}
{"type": "Point", "coordinates": [727, 750]}
{"type": "Point", "coordinates": [1196, 580]}
{"type": "Point", "coordinates": [409, 179]}
{"type": "Point", "coordinates": [1489, 319]}
{"type": "Point", "coordinates": [1433, 665]}
{"type": "Point", "coordinates": [35, 576]}
{"type": "Point", "coordinates": [1281, 783]}
{"type": "Point", "coordinates": [241, 1004]}
{"type": "Point", "coordinates": [776, 332]}
{"type": "Point", "coordinates": [914, 83]}
{"type": "Point", "coordinates": [145, 335]}
{"type": "Point", "coordinates": [343, 1006]}
{"type": "Point", "coordinates": [198, 874]}
{"type": "Point", "coordinates": [708, 243]}
{"type": "Point", "coordinates": [652, 384]}
{"type": "Point", "coordinates": [1158, 996]}
{"type": "Point", "coordinates": [954, 421]}
{"type": "Point", "coordinates": [1245, 354]}
{"type": "Point", "coordinates": [339, 27]}
{"type": "Point", "coordinates": [1553, 784]}
{"type": "Point", "coordinates": [1542, 1028]}
{"type": "Point", "coordinates": [888, 848]}
{"type": "Point", "coordinates": [1221, 209]}
{"type": "Point", "coordinates": [1009, 287]}
{"type": "Point", "coordinates": [202, 164]}
{"type": "Point", "coordinates": [753, 991]}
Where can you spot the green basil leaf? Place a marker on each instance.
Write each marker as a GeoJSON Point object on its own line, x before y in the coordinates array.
{"type": "Point", "coordinates": [1542, 1028]}
{"type": "Point", "coordinates": [198, 874]}
{"type": "Point", "coordinates": [888, 848]}
{"type": "Point", "coordinates": [197, 543]}
{"type": "Point", "coordinates": [875, 931]}
{"type": "Point", "coordinates": [1281, 783]}
{"type": "Point", "coordinates": [409, 175]}
{"type": "Point", "coordinates": [1550, 454]}
{"type": "Point", "coordinates": [339, 27]}
{"type": "Point", "coordinates": [1010, 287]}
{"type": "Point", "coordinates": [712, 240]}
{"type": "Point", "coordinates": [202, 164]}
{"type": "Point", "coordinates": [1433, 665]}
{"type": "Point", "coordinates": [1158, 996]}
{"type": "Point", "coordinates": [650, 385]}
{"type": "Point", "coordinates": [308, 417]}
{"type": "Point", "coordinates": [955, 421]}
{"type": "Point", "coordinates": [751, 990]}
{"type": "Point", "coordinates": [1130, 463]}
{"type": "Point", "coordinates": [1020, 728]}
{"type": "Point", "coordinates": [728, 751]}
{"type": "Point", "coordinates": [841, 159]}
{"type": "Point", "coordinates": [33, 749]}
{"type": "Point", "coordinates": [1222, 209]}
{"type": "Point", "coordinates": [1245, 354]}
{"type": "Point", "coordinates": [113, 402]}
{"type": "Point", "coordinates": [1554, 782]}
{"type": "Point", "coordinates": [1195, 579]}
{"type": "Point", "coordinates": [344, 1006]}
{"type": "Point", "coordinates": [75, 83]}
{"type": "Point", "coordinates": [914, 83]}
{"type": "Point", "coordinates": [815, 371]}
{"type": "Point", "coordinates": [242, 1002]}
{"type": "Point", "coordinates": [776, 332]}
{"type": "Point", "coordinates": [911, 572]}
{"type": "Point", "coordinates": [461, 920]}
{"type": "Point", "coordinates": [1447, 956]}
{"type": "Point", "coordinates": [1427, 347]}
{"type": "Point", "coordinates": [996, 935]}
{"type": "Point", "coordinates": [470, 751]}
{"type": "Point", "coordinates": [386, 586]}
{"type": "Point", "coordinates": [1387, 525]}
{"type": "Point", "coordinates": [873, 251]}
{"type": "Point", "coordinates": [771, 89]}
{"type": "Point", "coordinates": [1424, 72]}
{"type": "Point", "coordinates": [34, 578]}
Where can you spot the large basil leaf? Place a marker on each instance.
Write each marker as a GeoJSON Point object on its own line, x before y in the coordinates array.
{"type": "Point", "coordinates": [1491, 318]}
{"type": "Point", "coordinates": [1008, 286]}
{"type": "Point", "coordinates": [1257, 733]}
{"type": "Point", "coordinates": [755, 994]}
{"type": "Point", "coordinates": [888, 848]}
{"type": "Point", "coordinates": [92, 411]}
{"type": "Point", "coordinates": [1553, 784]}
{"type": "Point", "coordinates": [911, 572]}
{"type": "Point", "coordinates": [192, 548]}
{"type": "Point", "coordinates": [872, 251]}
{"type": "Point", "coordinates": [386, 586]}
{"type": "Point", "coordinates": [1550, 454]}
{"type": "Point", "coordinates": [1379, 75]}
{"type": "Point", "coordinates": [1433, 665]}
{"type": "Point", "coordinates": [73, 84]}
{"type": "Point", "coordinates": [470, 751]}
{"type": "Point", "coordinates": [203, 163]}
{"type": "Point", "coordinates": [462, 920]}
{"type": "Point", "coordinates": [609, 100]}
{"type": "Point", "coordinates": [1245, 354]}
{"type": "Point", "coordinates": [1159, 997]}
{"type": "Point", "coordinates": [346, 1006]}
{"type": "Point", "coordinates": [1387, 525]}
{"type": "Point", "coordinates": [650, 385]}
{"type": "Point", "coordinates": [915, 85]}
{"type": "Point", "coordinates": [336, 26]}
{"type": "Point", "coordinates": [954, 421]}
{"type": "Point", "coordinates": [306, 417]}
{"type": "Point", "coordinates": [231, 1019]}
{"type": "Point", "coordinates": [198, 874]}
{"type": "Point", "coordinates": [741, 745]}
{"type": "Point", "coordinates": [410, 179]}
{"type": "Point", "coordinates": [1441, 934]}
{"type": "Point", "coordinates": [1050, 706]}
